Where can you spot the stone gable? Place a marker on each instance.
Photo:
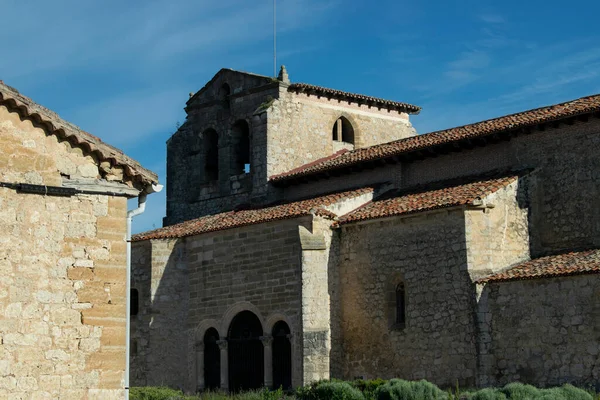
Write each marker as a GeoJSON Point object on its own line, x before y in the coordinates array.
{"type": "Point", "coordinates": [62, 263]}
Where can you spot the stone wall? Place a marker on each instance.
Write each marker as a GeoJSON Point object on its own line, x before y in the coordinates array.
{"type": "Point", "coordinates": [497, 232]}
{"type": "Point", "coordinates": [62, 274]}
{"type": "Point", "coordinates": [257, 268]}
{"type": "Point", "coordinates": [316, 311]}
{"type": "Point", "coordinates": [189, 194]}
{"type": "Point", "coordinates": [300, 128]}
{"type": "Point", "coordinates": [287, 130]}
{"type": "Point", "coordinates": [564, 161]}
{"type": "Point", "coordinates": [160, 274]}
{"type": "Point", "coordinates": [542, 331]}
{"type": "Point", "coordinates": [427, 252]}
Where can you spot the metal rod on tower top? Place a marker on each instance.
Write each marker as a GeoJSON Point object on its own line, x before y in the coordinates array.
{"type": "Point", "coordinates": [274, 39]}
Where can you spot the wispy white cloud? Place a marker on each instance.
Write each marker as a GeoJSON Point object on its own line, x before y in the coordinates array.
{"type": "Point", "coordinates": [68, 34]}
{"type": "Point", "coordinates": [528, 78]}
{"type": "Point", "coordinates": [470, 60]}
{"type": "Point", "coordinates": [492, 18]}
{"type": "Point", "coordinates": [128, 117]}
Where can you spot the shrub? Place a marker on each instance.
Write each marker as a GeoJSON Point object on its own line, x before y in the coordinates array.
{"type": "Point", "coordinates": [213, 396]}
{"type": "Point", "coordinates": [572, 393]}
{"type": "Point", "coordinates": [368, 387]}
{"type": "Point", "coordinates": [398, 389]}
{"type": "Point", "coordinates": [156, 393]}
{"type": "Point", "coordinates": [324, 390]}
{"type": "Point", "coordinates": [488, 394]}
{"type": "Point", "coordinates": [519, 391]}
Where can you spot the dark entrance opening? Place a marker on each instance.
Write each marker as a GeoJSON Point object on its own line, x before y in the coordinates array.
{"type": "Point", "coordinates": [212, 360]}
{"type": "Point", "coordinates": [246, 354]}
{"type": "Point", "coordinates": [282, 356]}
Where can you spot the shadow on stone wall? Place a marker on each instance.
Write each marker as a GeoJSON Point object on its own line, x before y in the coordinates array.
{"type": "Point", "coordinates": [159, 332]}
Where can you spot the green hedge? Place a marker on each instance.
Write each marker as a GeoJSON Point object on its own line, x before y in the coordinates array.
{"type": "Point", "coordinates": [325, 389]}
{"type": "Point", "coordinates": [399, 389]}
{"type": "Point", "coordinates": [164, 393]}
{"type": "Point", "coordinates": [156, 393]}
{"type": "Point", "coordinates": [377, 389]}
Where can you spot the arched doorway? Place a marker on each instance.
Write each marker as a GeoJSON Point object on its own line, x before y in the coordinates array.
{"type": "Point", "coordinates": [282, 356]}
{"type": "Point", "coordinates": [246, 354]}
{"type": "Point", "coordinates": [212, 360]}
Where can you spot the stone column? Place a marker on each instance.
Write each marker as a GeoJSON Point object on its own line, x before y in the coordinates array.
{"type": "Point", "coordinates": [224, 364]}
{"type": "Point", "coordinates": [267, 341]}
{"type": "Point", "coordinates": [200, 384]}
{"type": "Point", "coordinates": [338, 130]}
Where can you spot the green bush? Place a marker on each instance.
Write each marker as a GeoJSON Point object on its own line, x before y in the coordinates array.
{"type": "Point", "coordinates": [325, 390]}
{"type": "Point", "coordinates": [398, 389]}
{"type": "Point", "coordinates": [368, 387]}
{"type": "Point", "coordinates": [156, 393]}
{"type": "Point", "coordinates": [519, 391]}
{"type": "Point", "coordinates": [572, 393]}
{"type": "Point", "coordinates": [488, 394]}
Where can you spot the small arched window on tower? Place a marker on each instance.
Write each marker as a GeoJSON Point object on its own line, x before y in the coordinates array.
{"type": "Point", "coordinates": [240, 143]}
{"type": "Point", "coordinates": [210, 144]}
{"type": "Point", "coordinates": [343, 131]}
{"type": "Point", "coordinates": [400, 305]}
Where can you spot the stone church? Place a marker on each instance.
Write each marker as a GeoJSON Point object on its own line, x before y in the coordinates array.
{"type": "Point", "coordinates": [310, 233]}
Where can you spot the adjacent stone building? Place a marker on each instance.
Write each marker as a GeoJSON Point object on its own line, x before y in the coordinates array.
{"type": "Point", "coordinates": [310, 233]}
{"type": "Point", "coordinates": [63, 209]}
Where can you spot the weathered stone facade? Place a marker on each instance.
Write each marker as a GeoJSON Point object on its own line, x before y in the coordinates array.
{"type": "Point", "coordinates": [62, 265]}
{"type": "Point", "coordinates": [401, 292]}
{"type": "Point", "coordinates": [543, 331]}
{"type": "Point", "coordinates": [285, 131]}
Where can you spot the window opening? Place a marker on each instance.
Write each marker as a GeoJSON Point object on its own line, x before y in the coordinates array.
{"type": "Point", "coordinates": [240, 162]}
{"type": "Point", "coordinates": [343, 131]}
{"type": "Point", "coordinates": [211, 155]}
{"type": "Point", "coordinates": [400, 304]}
{"type": "Point", "coordinates": [134, 304]}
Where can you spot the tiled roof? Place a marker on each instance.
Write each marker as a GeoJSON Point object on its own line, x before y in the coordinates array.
{"type": "Point", "coordinates": [234, 219]}
{"type": "Point", "coordinates": [482, 129]}
{"type": "Point", "coordinates": [435, 196]}
{"type": "Point", "coordinates": [575, 263]}
{"type": "Point", "coordinates": [358, 98]}
{"type": "Point", "coordinates": [26, 107]}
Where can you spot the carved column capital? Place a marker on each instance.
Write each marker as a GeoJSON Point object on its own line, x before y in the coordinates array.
{"type": "Point", "coordinates": [266, 340]}
{"type": "Point", "coordinates": [222, 344]}
{"type": "Point", "coordinates": [199, 346]}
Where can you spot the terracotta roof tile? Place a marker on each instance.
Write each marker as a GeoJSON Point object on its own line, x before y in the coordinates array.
{"type": "Point", "coordinates": [434, 196]}
{"type": "Point", "coordinates": [234, 219]}
{"type": "Point", "coordinates": [480, 129]}
{"type": "Point", "coordinates": [359, 98]}
{"type": "Point", "coordinates": [14, 100]}
{"type": "Point", "coordinates": [574, 263]}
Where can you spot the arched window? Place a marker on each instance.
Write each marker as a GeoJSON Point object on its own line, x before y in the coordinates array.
{"type": "Point", "coordinates": [282, 356]}
{"type": "Point", "coordinates": [400, 304]}
{"type": "Point", "coordinates": [210, 143]}
{"type": "Point", "coordinates": [212, 360]}
{"type": "Point", "coordinates": [240, 144]}
{"type": "Point", "coordinates": [343, 131]}
{"type": "Point", "coordinates": [245, 352]}
{"type": "Point", "coordinates": [134, 303]}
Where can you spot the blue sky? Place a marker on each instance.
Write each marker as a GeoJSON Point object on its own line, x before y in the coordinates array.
{"type": "Point", "coordinates": [123, 70]}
